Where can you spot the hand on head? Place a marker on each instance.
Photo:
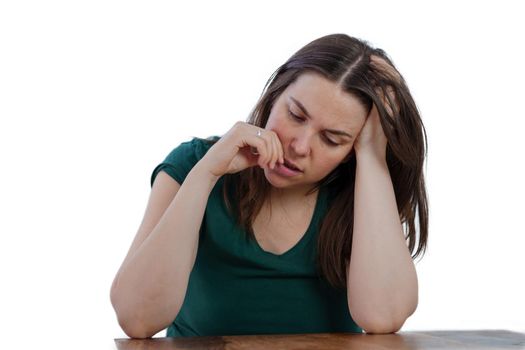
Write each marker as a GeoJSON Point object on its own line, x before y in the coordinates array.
{"type": "Point", "coordinates": [372, 137]}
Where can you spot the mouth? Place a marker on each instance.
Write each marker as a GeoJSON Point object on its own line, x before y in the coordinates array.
{"type": "Point", "coordinates": [291, 165]}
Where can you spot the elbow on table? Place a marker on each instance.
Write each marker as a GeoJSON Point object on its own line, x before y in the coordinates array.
{"type": "Point", "coordinates": [133, 324]}
{"type": "Point", "coordinates": [380, 324]}
{"type": "Point", "coordinates": [136, 330]}
{"type": "Point", "coordinates": [371, 320]}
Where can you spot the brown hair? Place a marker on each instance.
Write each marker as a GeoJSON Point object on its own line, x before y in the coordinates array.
{"type": "Point", "coordinates": [345, 60]}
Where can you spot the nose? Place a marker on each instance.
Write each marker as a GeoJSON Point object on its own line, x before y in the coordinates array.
{"type": "Point", "coordinates": [301, 145]}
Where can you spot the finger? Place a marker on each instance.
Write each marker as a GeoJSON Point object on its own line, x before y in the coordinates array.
{"type": "Point", "coordinates": [388, 100]}
{"type": "Point", "coordinates": [280, 153]}
{"type": "Point", "coordinates": [263, 148]}
{"type": "Point", "coordinates": [256, 145]}
{"type": "Point", "coordinates": [382, 65]}
{"type": "Point", "coordinates": [275, 148]}
{"type": "Point", "coordinates": [271, 148]}
{"type": "Point", "coordinates": [273, 154]}
{"type": "Point", "coordinates": [391, 104]}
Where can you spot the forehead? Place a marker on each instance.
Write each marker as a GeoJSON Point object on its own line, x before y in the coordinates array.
{"type": "Point", "coordinates": [325, 101]}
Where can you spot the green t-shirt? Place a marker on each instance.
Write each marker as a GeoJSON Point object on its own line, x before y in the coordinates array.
{"type": "Point", "coordinates": [237, 288]}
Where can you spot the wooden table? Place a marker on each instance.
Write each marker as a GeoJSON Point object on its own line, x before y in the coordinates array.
{"type": "Point", "coordinates": [478, 339]}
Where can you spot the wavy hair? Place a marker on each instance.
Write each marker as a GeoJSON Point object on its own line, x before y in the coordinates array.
{"type": "Point", "coordinates": [346, 61]}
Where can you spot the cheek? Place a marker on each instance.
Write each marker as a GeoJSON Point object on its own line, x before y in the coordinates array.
{"type": "Point", "coordinates": [330, 162]}
{"type": "Point", "coordinates": [327, 163]}
{"type": "Point", "coordinates": [277, 125]}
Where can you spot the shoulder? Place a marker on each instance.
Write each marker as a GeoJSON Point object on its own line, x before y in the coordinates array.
{"type": "Point", "coordinates": [201, 146]}
{"type": "Point", "coordinates": [181, 159]}
{"type": "Point", "coordinates": [196, 147]}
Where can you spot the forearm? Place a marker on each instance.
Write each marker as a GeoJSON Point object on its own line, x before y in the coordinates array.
{"type": "Point", "coordinates": [150, 289]}
{"type": "Point", "coordinates": [382, 280]}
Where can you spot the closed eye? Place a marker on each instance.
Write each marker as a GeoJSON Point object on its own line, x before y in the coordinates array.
{"type": "Point", "coordinates": [295, 116]}
{"type": "Point", "coordinates": [300, 120]}
{"type": "Point", "coordinates": [330, 142]}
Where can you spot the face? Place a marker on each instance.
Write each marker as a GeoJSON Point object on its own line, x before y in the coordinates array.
{"type": "Point", "coordinates": [317, 124]}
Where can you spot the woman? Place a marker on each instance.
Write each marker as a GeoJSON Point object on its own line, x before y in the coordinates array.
{"type": "Point", "coordinates": [291, 222]}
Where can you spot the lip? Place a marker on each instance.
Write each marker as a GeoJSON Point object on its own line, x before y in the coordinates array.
{"type": "Point", "coordinates": [284, 171]}
{"type": "Point", "coordinates": [292, 163]}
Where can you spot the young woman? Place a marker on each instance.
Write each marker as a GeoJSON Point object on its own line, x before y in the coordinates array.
{"type": "Point", "coordinates": [291, 222]}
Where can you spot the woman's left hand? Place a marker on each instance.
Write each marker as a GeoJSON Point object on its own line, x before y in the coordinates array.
{"type": "Point", "coordinates": [371, 138]}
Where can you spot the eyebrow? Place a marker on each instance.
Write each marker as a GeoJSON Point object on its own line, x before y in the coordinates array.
{"type": "Point", "coordinates": [332, 131]}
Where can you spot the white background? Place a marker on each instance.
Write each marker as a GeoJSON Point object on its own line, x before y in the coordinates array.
{"type": "Point", "coordinates": [94, 94]}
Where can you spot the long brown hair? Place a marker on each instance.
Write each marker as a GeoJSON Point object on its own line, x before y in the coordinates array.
{"type": "Point", "coordinates": [346, 61]}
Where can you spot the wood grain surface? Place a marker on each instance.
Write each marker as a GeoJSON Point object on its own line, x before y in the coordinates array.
{"type": "Point", "coordinates": [450, 339]}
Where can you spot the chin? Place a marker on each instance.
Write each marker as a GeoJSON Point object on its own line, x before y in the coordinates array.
{"type": "Point", "coordinates": [281, 182]}
{"type": "Point", "coordinates": [274, 180]}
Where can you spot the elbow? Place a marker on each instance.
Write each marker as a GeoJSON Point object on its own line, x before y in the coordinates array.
{"type": "Point", "coordinates": [133, 325]}
{"type": "Point", "coordinates": [130, 324]}
{"type": "Point", "coordinates": [139, 316]}
{"type": "Point", "coordinates": [136, 330]}
{"type": "Point", "coordinates": [136, 322]}
{"type": "Point", "coordinates": [383, 324]}
{"type": "Point", "coordinates": [382, 319]}
{"type": "Point", "coordinates": [380, 326]}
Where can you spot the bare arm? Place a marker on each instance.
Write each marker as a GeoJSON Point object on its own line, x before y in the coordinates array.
{"type": "Point", "coordinates": [382, 280]}
{"type": "Point", "coordinates": [149, 288]}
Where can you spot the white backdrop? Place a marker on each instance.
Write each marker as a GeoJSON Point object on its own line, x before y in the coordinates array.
{"type": "Point", "coordinates": [94, 94]}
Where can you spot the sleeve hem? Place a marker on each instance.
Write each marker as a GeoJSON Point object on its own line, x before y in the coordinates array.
{"type": "Point", "coordinates": [170, 170]}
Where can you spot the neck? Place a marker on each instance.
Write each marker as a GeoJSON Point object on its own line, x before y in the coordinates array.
{"type": "Point", "coordinates": [292, 196]}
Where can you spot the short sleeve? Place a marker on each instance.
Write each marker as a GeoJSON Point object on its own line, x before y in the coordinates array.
{"type": "Point", "coordinates": [179, 162]}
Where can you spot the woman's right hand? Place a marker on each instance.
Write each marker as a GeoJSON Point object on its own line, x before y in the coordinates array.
{"type": "Point", "coordinates": [233, 151]}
